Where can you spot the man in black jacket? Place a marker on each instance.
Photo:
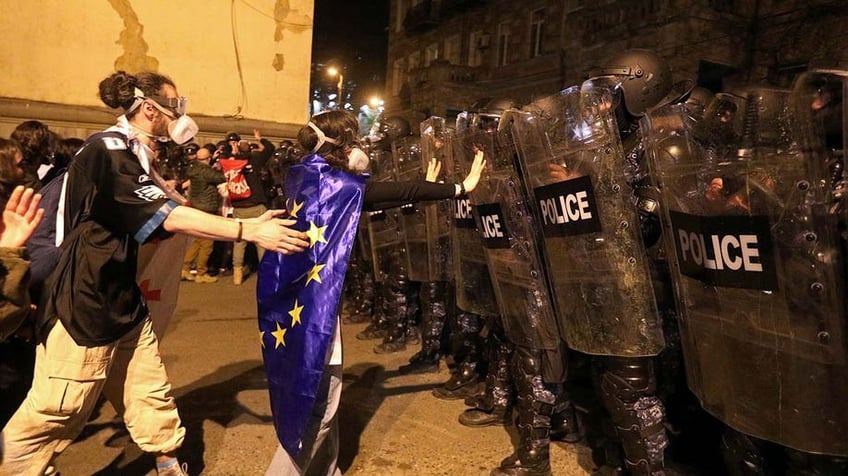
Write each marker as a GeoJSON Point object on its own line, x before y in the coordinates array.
{"type": "Point", "coordinates": [203, 195]}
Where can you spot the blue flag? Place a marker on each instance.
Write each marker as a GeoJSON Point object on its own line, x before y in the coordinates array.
{"type": "Point", "coordinates": [299, 294]}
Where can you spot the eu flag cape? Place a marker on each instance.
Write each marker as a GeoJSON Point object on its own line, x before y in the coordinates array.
{"type": "Point", "coordinates": [299, 294]}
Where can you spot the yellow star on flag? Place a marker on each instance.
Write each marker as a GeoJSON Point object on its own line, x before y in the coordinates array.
{"type": "Point", "coordinates": [262, 338]}
{"type": "Point", "coordinates": [313, 274]}
{"type": "Point", "coordinates": [279, 336]}
{"type": "Point", "coordinates": [295, 208]}
{"type": "Point", "coordinates": [295, 313]}
{"type": "Point", "coordinates": [315, 234]}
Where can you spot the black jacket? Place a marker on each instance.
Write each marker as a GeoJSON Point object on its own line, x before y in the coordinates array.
{"type": "Point", "coordinates": [203, 193]}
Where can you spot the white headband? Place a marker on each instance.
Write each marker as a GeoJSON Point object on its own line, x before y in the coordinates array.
{"type": "Point", "coordinates": [321, 137]}
{"type": "Point", "coordinates": [138, 98]}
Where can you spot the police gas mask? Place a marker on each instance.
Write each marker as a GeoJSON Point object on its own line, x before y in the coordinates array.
{"type": "Point", "coordinates": [357, 159]}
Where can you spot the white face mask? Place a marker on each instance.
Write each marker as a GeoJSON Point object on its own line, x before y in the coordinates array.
{"type": "Point", "coordinates": [358, 160]}
{"type": "Point", "coordinates": [182, 129]}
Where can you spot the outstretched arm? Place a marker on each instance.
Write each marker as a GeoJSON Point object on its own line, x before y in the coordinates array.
{"type": "Point", "coordinates": [382, 195]}
{"type": "Point", "coordinates": [266, 231]}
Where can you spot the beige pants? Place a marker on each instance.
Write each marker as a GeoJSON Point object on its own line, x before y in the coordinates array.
{"type": "Point", "coordinates": [67, 382]}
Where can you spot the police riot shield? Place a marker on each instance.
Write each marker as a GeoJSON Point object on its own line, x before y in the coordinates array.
{"type": "Point", "coordinates": [504, 221]}
{"type": "Point", "coordinates": [436, 144]}
{"type": "Point", "coordinates": [406, 153]}
{"type": "Point", "coordinates": [474, 291]}
{"type": "Point", "coordinates": [384, 226]}
{"type": "Point", "coordinates": [758, 264]}
{"type": "Point", "coordinates": [574, 165]}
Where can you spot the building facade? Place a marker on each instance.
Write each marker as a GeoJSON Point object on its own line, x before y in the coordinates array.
{"type": "Point", "coordinates": [445, 55]}
{"type": "Point", "coordinates": [242, 66]}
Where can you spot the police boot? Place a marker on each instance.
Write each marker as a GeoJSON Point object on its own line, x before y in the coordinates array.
{"type": "Point", "coordinates": [396, 313]}
{"type": "Point", "coordinates": [498, 389]}
{"type": "Point", "coordinates": [535, 404]}
{"type": "Point", "coordinates": [493, 406]}
{"type": "Point", "coordinates": [365, 304]}
{"type": "Point", "coordinates": [532, 458]}
{"type": "Point", "coordinates": [433, 303]}
{"type": "Point", "coordinates": [377, 328]}
{"type": "Point", "coordinates": [475, 418]}
{"type": "Point", "coordinates": [462, 383]}
{"type": "Point", "coordinates": [564, 426]}
{"type": "Point", "coordinates": [413, 314]}
{"type": "Point", "coordinates": [628, 390]}
{"type": "Point", "coordinates": [745, 455]}
{"type": "Point", "coordinates": [466, 342]}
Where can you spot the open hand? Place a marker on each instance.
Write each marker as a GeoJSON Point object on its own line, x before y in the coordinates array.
{"type": "Point", "coordinates": [433, 169]}
{"type": "Point", "coordinates": [276, 235]}
{"type": "Point", "coordinates": [20, 218]}
{"type": "Point", "coordinates": [477, 166]}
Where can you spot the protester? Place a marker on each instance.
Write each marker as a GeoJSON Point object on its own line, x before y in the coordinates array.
{"type": "Point", "coordinates": [17, 352]}
{"type": "Point", "coordinates": [203, 195]}
{"type": "Point", "coordinates": [246, 189]}
{"type": "Point", "coordinates": [38, 145]}
{"type": "Point", "coordinates": [93, 324]}
{"type": "Point", "coordinates": [299, 297]}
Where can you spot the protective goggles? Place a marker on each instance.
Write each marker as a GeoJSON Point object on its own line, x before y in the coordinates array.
{"type": "Point", "coordinates": [176, 106]}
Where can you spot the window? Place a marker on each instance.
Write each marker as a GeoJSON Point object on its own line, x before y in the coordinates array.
{"type": "Point", "coordinates": [476, 44]}
{"type": "Point", "coordinates": [414, 61]}
{"type": "Point", "coordinates": [397, 76]}
{"type": "Point", "coordinates": [537, 27]}
{"type": "Point", "coordinates": [451, 53]}
{"type": "Point", "coordinates": [503, 43]}
{"type": "Point", "coordinates": [431, 54]}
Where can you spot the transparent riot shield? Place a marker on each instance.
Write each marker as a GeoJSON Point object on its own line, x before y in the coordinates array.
{"type": "Point", "coordinates": [758, 265]}
{"type": "Point", "coordinates": [506, 225]}
{"type": "Point", "coordinates": [474, 291]}
{"type": "Point", "coordinates": [413, 216]}
{"type": "Point", "coordinates": [574, 165]}
{"type": "Point", "coordinates": [388, 250]}
{"type": "Point", "coordinates": [436, 143]}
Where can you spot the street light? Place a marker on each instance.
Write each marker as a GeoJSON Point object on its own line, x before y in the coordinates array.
{"type": "Point", "coordinates": [333, 71]}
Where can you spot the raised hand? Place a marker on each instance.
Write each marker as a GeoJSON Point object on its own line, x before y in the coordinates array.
{"type": "Point", "coordinates": [20, 218]}
{"type": "Point", "coordinates": [477, 166]}
{"type": "Point", "coordinates": [433, 169]}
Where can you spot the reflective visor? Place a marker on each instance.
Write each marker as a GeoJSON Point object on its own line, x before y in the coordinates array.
{"type": "Point", "coordinates": [611, 83]}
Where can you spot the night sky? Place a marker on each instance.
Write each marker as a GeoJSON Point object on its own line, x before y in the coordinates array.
{"type": "Point", "coordinates": [354, 34]}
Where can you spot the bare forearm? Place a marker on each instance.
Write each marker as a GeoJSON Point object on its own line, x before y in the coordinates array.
{"type": "Point", "coordinates": [267, 231]}
{"type": "Point", "coordinates": [191, 221]}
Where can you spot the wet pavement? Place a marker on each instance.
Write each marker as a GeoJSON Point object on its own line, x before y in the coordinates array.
{"type": "Point", "coordinates": [390, 423]}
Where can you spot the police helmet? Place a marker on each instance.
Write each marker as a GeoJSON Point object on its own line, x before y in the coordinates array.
{"type": "Point", "coordinates": [641, 77]}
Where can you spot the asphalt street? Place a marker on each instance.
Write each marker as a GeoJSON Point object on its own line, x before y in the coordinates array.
{"type": "Point", "coordinates": [390, 423]}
